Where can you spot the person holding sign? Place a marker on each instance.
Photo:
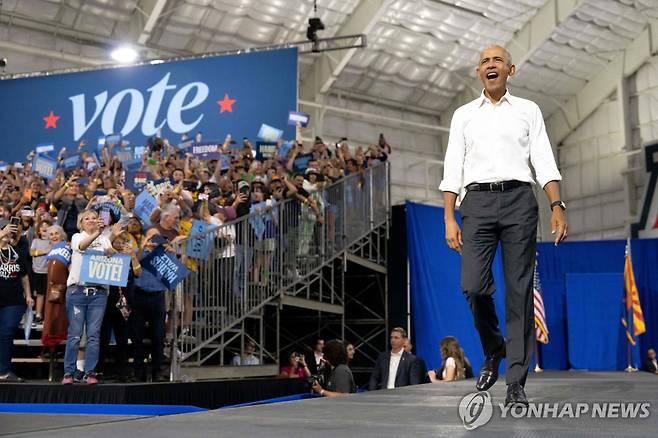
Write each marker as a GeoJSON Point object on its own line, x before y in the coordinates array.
{"type": "Point", "coordinates": [85, 303]}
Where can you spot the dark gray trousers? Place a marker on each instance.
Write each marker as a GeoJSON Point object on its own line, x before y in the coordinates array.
{"type": "Point", "coordinates": [510, 218]}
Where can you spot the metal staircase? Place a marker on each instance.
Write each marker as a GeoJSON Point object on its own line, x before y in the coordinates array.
{"type": "Point", "coordinates": [284, 255]}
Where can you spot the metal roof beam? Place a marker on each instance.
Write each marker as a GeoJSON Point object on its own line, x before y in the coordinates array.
{"type": "Point", "coordinates": [328, 66]}
{"type": "Point", "coordinates": [561, 123]}
{"type": "Point", "coordinates": [144, 18]}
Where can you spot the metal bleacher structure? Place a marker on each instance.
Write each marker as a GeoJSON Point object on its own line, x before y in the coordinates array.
{"type": "Point", "coordinates": [287, 257]}
{"type": "Point", "coordinates": [269, 261]}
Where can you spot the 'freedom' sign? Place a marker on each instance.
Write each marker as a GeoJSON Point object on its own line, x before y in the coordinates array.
{"type": "Point", "coordinates": [206, 151]}
{"type": "Point", "coordinates": [97, 268]}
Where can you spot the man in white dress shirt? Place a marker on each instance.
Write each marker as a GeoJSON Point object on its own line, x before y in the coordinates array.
{"type": "Point", "coordinates": [493, 142]}
{"type": "Point", "coordinates": [397, 367]}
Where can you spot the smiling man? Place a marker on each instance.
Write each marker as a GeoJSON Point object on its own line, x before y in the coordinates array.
{"type": "Point", "coordinates": [494, 140]}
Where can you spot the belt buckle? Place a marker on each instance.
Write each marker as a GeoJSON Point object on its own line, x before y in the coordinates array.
{"type": "Point", "coordinates": [89, 290]}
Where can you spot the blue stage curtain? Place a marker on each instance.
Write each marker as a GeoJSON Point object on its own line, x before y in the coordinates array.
{"type": "Point", "coordinates": [438, 305]}
{"type": "Point", "coordinates": [440, 309]}
{"type": "Point", "coordinates": [596, 337]}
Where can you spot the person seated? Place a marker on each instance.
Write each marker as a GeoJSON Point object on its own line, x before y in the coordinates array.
{"type": "Point", "coordinates": [340, 381]}
{"type": "Point", "coordinates": [296, 368]}
{"type": "Point", "coordinates": [454, 363]}
{"type": "Point", "coordinates": [249, 358]}
{"type": "Point", "coordinates": [650, 364]}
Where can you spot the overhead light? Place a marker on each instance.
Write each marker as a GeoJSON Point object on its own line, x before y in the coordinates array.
{"type": "Point", "coordinates": [124, 54]}
{"type": "Point", "coordinates": [156, 61]}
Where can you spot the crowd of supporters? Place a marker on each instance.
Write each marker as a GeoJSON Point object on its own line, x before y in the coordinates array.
{"type": "Point", "coordinates": [47, 224]}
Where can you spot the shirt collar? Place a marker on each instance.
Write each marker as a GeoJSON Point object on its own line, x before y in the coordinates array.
{"type": "Point", "coordinates": [399, 353]}
{"type": "Point", "coordinates": [484, 99]}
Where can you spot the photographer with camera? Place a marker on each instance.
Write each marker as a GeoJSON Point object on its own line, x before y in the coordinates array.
{"type": "Point", "coordinates": [340, 381]}
{"type": "Point", "coordinates": [296, 368]}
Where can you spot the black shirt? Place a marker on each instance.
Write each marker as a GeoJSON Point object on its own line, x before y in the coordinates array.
{"type": "Point", "coordinates": [13, 267]}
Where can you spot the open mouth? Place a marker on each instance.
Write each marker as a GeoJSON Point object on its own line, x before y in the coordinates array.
{"type": "Point", "coordinates": [492, 75]}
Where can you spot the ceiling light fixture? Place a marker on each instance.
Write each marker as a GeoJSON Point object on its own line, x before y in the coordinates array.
{"type": "Point", "coordinates": [124, 54]}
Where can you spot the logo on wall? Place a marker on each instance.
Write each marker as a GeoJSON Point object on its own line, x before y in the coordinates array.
{"type": "Point", "coordinates": [216, 96]}
{"type": "Point", "coordinates": [647, 226]}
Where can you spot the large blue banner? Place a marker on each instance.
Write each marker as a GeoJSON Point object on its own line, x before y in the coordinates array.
{"type": "Point", "coordinates": [233, 94]}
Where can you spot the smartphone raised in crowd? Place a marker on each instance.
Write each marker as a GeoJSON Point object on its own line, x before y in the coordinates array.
{"type": "Point", "coordinates": [105, 216]}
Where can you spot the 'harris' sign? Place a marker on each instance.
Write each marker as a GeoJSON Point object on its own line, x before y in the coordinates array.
{"type": "Point", "coordinates": [232, 94]}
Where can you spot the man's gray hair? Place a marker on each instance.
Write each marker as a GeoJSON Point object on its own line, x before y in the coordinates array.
{"type": "Point", "coordinates": [170, 210]}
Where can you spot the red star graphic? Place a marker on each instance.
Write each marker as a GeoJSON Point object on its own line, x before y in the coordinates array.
{"type": "Point", "coordinates": [226, 104]}
{"type": "Point", "coordinates": [51, 120]}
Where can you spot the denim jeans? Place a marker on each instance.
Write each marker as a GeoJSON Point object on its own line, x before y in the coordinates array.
{"type": "Point", "coordinates": [83, 310]}
{"type": "Point", "coordinates": [10, 317]}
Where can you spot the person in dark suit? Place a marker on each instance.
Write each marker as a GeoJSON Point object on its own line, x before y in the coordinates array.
{"type": "Point", "coordinates": [395, 368]}
{"type": "Point", "coordinates": [650, 365]}
{"type": "Point", "coordinates": [422, 366]}
{"type": "Point", "coordinates": [315, 358]}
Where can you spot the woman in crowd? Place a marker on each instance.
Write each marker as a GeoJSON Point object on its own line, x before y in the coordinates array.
{"type": "Point", "coordinates": [39, 249]}
{"type": "Point", "coordinates": [15, 294]}
{"type": "Point", "coordinates": [85, 303]}
{"type": "Point", "coordinates": [340, 381]}
{"type": "Point", "coordinates": [296, 368]}
{"type": "Point", "coordinates": [453, 365]}
{"type": "Point", "coordinates": [55, 322]}
{"type": "Point", "coordinates": [349, 348]}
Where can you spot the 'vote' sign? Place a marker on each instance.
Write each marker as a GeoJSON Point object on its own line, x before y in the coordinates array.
{"type": "Point", "coordinates": [97, 268]}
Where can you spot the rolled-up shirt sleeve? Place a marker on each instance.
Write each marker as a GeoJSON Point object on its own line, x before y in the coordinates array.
{"type": "Point", "coordinates": [453, 164]}
{"type": "Point", "coordinates": [541, 153]}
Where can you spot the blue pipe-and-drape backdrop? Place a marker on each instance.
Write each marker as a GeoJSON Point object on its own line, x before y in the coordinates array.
{"type": "Point", "coordinates": [582, 285]}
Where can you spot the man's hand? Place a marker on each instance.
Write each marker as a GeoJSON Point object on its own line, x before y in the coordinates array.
{"type": "Point", "coordinates": [316, 387]}
{"type": "Point", "coordinates": [29, 301]}
{"type": "Point", "coordinates": [454, 235]}
{"type": "Point", "coordinates": [558, 225]}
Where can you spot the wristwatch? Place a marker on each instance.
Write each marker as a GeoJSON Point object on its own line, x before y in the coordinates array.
{"type": "Point", "coordinates": [559, 203]}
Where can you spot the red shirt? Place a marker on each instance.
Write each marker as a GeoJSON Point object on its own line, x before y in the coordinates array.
{"type": "Point", "coordinates": [288, 369]}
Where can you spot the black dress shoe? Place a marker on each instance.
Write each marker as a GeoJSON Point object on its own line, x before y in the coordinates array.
{"type": "Point", "coordinates": [489, 372]}
{"type": "Point", "coordinates": [515, 395]}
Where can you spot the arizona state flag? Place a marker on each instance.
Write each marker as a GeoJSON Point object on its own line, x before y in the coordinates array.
{"type": "Point", "coordinates": [632, 308]}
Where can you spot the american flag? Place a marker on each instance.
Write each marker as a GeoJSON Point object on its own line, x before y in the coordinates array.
{"type": "Point", "coordinates": [541, 331]}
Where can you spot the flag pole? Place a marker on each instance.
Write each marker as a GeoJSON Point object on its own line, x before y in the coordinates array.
{"type": "Point", "coordinates": [629, 360]}
{"type": "Point", "coordinates": [538, 369]}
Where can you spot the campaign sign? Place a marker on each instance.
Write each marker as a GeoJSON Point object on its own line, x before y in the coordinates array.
{"type": "Point", "coordinates": [301, 162]}
{"type": "Point", "coordinates": [71, 162]}
{"type": "Point", "coordinates": [295, 117]}
{"type": "Point", "coordinates": [269, 133]}
{"type": "Point", "coordinates": [206, 150]}
{"type": "Point", "coordinates": [165, 267]}
{"type": "Point", "coordinates": [124, 155]}
{"type": "Point", "coordinates": [265, 150]}
{"type": "Point", "coordinates": [136, 180]}
{"type": "Point", "coordinates": [284, 149]}
{"type": "Point", "coordinates": [199, 247]}
{"type": "Point", "coordinates": [3, 166]}
{"type": "Point", "coordinates": [61, 252]}
{"type": "Point", "coordinates": [159, 186]}
{"type": "Point", "coordinates": [132, 164]}
{"type": "Point", "coordinates": [97, 268]}
{"type": "Point", "coordinates": [113, 139]}
{"type": "Point", "coordinates": [214, 95]}
{"type": "Point", "coordinates": [145, 203]}
{"type": "Point", "coordinates": [44, 148]}
{"type": "Point", "coordinates": [44, 166]}
{"type": "Point", "coordinates": [138, 152]}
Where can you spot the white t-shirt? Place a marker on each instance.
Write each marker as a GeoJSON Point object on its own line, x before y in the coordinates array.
{"type": "Point", "coordinates": [101, 243]}
{"type": "Point", "coordinates": [228, 233]}
{"type": "Point", "coordinates": [450, 363]}
{"type": "Point", "coordinates": [248, 360]}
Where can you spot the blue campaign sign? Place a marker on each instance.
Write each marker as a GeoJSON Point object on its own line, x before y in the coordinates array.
{"type": "Point", "coordinates": [145, 203]}
{"type": "Point", "coordinates": [45, 167]}
{"type": "Point", "coordinates": [199, 247]}
{"type": "Point", "coordinates": [269, 133]}
{"type": "Point", "coordinates": [97, 268]}
{"type": "Point", "coordinates": [265, 150]}
{"type": "Point", "coordinates": [165, 267]}
{"type": "Point", "coordinates": [302, 118]}
{"type": "Point", "coordinates": [301, 162]}
{"type": "Point", "coordinates": [113, 139]}
{"type": "Point", "coordinates": [207, 150]}
{"type": "Point", "coordinates": [72, 161]}
{"type": "Point", "coordinates": [44, 148]}
{"type": "Point", "coordinates": [218, 95]}
{"type": "Point", "coordinates": [284, 149]}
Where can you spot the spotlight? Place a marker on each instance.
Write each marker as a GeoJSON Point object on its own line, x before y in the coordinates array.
{"type": "Point", "coordinates": [314, 24]}
{"type": "Point", "coordinates": [124, 54]}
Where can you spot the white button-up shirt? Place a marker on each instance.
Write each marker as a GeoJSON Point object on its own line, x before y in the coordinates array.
{"type": "Point", "coordinates": [393, 365]}
{"type": "Point", "coordinates": [497, 142]}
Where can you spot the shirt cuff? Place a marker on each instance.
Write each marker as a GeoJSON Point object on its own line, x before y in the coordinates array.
{"type": "Point", "coordinates": [450, 186]}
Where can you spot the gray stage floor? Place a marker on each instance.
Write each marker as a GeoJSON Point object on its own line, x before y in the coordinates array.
{"type": "Point", "coordinates": [420, 411]}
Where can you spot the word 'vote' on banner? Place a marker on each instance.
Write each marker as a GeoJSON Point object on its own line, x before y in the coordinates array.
{"type": "Point", "coordinates": [97, 268]}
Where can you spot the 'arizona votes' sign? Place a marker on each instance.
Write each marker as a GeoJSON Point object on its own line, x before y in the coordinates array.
{"type": "Point", "coordinates": [97, 268]}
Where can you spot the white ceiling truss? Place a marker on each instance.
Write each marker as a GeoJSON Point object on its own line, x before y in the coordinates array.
{"type": "Point", "coordinates": [420, 55]}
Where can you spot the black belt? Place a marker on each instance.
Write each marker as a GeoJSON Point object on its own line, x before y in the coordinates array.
{"type": "Point", "coordinates": [500, 186]}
